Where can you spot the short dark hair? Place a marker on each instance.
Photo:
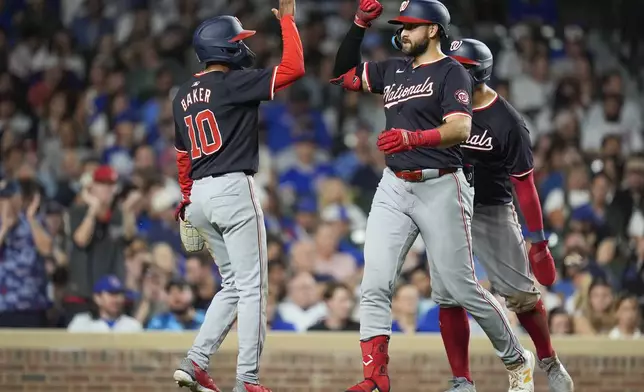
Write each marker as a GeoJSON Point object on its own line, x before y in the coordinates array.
{"type": "Point", "coordinates": [422, 268]}
{"type": "Point", "coordinates": [178, 283]}
{"type": "Point", "coordinates": [604, 175]}
{"type": "Point", "coordinates": [556, 312]}
{"type": "Point", "coordinates": [400, 286]}
{"type": "Point", "coordinates": [331, 288]}
{"type": "Point", "coordinates": [279, 263]}
{"type": "Point", "coordinates": [29, 188]}
{"type": "Point", "coordinates": [273, 238]}
{"type": "Point", "coordinates": [623, 297]}
{"type": "Point", "coordinates": [202, 257]}
{"type": "Point", "coordinates": [610, 137]}
{"type": "Point", "coordinates": [599, 281]}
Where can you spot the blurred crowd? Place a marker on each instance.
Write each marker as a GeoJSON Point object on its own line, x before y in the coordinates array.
{"type": "Point", "coordinates": [88, 187]}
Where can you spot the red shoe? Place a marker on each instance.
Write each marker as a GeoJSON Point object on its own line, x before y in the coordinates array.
{"type": "Point", "coordinates": [189, 375]}
{"type": "Point", "coordinates": [375, 358]}
{"type": "Point", "coordinates": [255, 388]}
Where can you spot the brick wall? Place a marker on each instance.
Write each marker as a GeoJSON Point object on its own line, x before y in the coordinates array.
{"type": "Point", "coordinates": [53, 361]}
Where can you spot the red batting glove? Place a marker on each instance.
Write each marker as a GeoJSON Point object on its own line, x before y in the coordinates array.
{"type": "Point", "coordinates": [542, 263]}
{"type": "Point", "coordinates": [397, 140]}
{"type": "Point", "coordinates": [350, 81]}
{"type": "Point", "coordinates": [368, 11]}
{"type": "Point", "coordinates": [180, 212]}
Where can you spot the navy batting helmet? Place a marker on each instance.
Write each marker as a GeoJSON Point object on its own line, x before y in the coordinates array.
{"type": "Point", "coordinates": [219, 39]}
{"type": "Point", "coordinates": [475, 56]}
{"type": "Point", "coordinates": [421, 12]}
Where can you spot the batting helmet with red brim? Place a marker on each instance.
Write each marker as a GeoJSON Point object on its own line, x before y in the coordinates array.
{"type": "Point", "coordinates": [423, 12]}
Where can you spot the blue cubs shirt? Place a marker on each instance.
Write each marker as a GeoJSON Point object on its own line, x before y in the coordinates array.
{"type": "Point", "coordinates": [169, 322]}
{"type": "Point", "coordinates": [304, 181]}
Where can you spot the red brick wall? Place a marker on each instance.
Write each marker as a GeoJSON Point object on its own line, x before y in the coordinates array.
{"type": "Point", "coordinates": [298, 363]}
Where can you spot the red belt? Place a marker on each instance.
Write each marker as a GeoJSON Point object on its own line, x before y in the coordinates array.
{"type": "Point", "coordinates": [417, 175]}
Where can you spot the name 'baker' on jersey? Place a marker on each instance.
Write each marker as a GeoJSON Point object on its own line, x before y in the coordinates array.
{"type": "Point", "coordinates": [216, 114]}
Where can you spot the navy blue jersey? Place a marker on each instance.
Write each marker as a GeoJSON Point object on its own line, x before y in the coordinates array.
{"type": "Point", "coordinates": [216, 118]}
{"type": "Point", "coordinates": [499, 147]}
{"type": "Point", "coordinates": [421, 98]}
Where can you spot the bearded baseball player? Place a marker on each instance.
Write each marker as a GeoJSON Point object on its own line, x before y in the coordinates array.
{"type": "Point", "coordinates": [427, 101]}
{"type": "Point", "coordinates": [216, 120]}
{"type": "Point", "coordinates": [500, 150]}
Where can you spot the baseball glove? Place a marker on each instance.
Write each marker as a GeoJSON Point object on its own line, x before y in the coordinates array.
{"type": "Point", "coordinates": [190, 237]}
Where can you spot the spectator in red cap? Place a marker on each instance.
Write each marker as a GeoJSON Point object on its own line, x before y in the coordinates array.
{"type": "Point", "coordinates": [99, 229]}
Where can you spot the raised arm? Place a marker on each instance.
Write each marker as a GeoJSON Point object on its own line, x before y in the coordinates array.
{"type": "Point", "coordinates": [291, 68]}
{"type": "Point", "coordinates": [347, 69]}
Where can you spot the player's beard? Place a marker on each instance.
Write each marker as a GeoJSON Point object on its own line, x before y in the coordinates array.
{"type": "Point", "coordinates": [417, 49]}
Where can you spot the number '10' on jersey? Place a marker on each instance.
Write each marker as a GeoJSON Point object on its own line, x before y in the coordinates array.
{"type": "Point", "coordinates": [216, 117]}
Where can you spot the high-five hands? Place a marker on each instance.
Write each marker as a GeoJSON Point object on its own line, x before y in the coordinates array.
{"type": "Point", "coordinates": [287, 7]}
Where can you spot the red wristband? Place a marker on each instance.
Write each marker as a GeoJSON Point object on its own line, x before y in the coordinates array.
{"type": "Point", "coordinates": [360, 23]}
{"type": "Point", "coordinates": [431, 137]}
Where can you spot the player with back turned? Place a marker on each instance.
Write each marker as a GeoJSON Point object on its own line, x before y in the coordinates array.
{"type": "Point", "coordinates": [423, 189]}
{"type": "Point", "coordinates": [500, 150]}
{"type": "Point", "coordinates": [216, 120]}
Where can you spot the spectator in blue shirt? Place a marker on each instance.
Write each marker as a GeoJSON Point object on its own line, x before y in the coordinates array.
{"type": "Point", "coordinates": [107, 314]}
{"type": "Point", "coordinates": [274, 320]}
{"type": "Point", "coordinates": [407, 318]}
{"type": "Point", "coordinates": [119, 156]}
{"type": "Point", "coordinates": [23, 244]}
{"type": "Point", "coordinates": [420, 278]}
{"type": "Point", "coordinates": [151, 109]}
{"type": "Point", "coordinates": [201, 275]}
{"type": "Point", "coordinates": [590, 218]}
{"type": "Point", "coordinates": [359, 155]}
{"type": "Point", "coordinates": [181, 314]}
{"type": "Point", "coordinates": [339, 217]}
{"type": "Point", "coordinates": [90, 28]}
{"type": "Point", "coordinates": [542, 10]}
{"type": "Point", "coordinates": [303, 225]}
{"type": "Point", "coordinates": [160, 224]}
{"type": "Point", "coordinates": [303, 179]}
{"type": "Point", "coordinates": [8, 9]}
{"type": "Point", "coordinates": [285, 122]}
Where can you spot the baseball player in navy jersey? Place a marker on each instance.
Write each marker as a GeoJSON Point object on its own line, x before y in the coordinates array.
{"type": "Point", "coordinates": [216, 122]}
{"type": "Point", "coordinates": [500, 151]}
{"type": "Point", "coordinates": [427, 101]}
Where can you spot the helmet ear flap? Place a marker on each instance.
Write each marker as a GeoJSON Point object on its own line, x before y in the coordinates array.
{"type": "Point", "coordinates": [396, 40]}
{"type": "Point", "coordinates": [442, 31]}
{"type": "Point", "coordinates": [248, 56]}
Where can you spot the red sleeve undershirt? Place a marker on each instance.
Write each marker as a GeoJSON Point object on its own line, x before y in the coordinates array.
{"type": "Point", "coordinates": [291, 68]}
{"type": "Point", "coordinates": [184, 166]}
{"type": "Point", "coordinates": [528, 201]}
